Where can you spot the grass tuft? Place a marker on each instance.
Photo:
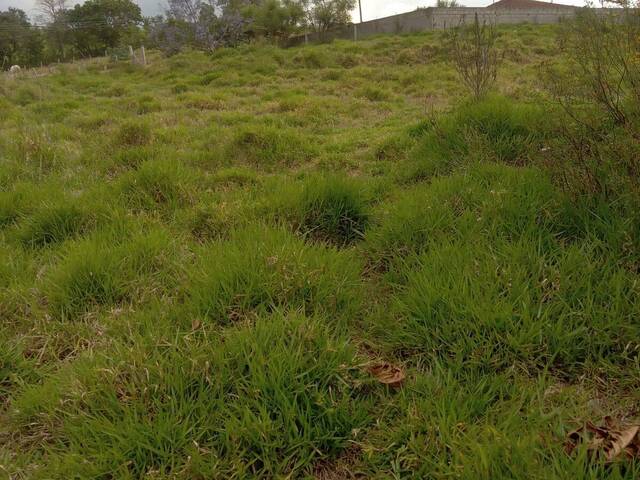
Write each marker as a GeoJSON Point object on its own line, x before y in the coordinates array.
{"type": "Point", "coordinates": [264, 270]}
{"type": "Point", "coordinates": [134, 133]}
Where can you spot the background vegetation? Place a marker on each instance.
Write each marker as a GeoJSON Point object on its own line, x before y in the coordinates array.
{"type": "Point", "coordinates": [62, 32]}
{"type": "Point", "coordinates": [201, 259]}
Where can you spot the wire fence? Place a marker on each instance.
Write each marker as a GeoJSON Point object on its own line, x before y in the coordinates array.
{"type": "Point", "coordinates": [112, 56]}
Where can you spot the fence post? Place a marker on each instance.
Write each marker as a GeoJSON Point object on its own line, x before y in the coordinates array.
{"type": "Point", "coordinates": [132, 54]}
{"type": "Point", "coordinates": [355, 32]}
{"type": "Point", "coordinates": [144, 56]}
{"type": "Point", "coordinates": [306, 38]}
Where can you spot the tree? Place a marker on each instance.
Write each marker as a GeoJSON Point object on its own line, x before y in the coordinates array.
{"type": "Point", "coordinates": [275, 18]}
{"type": "Point", "coordinates": [185, 10]}
{"type": "Point", "coordinates": [53, 12]}
{"type": "Point", "coordinates": [323, 15]}
{"type": "Point", "coordinates": [20, 42]}
{"type": "Point", "coordinates": [100, 24]}
{"type": "Point", "coordinates": [51, 9]}
{"type": "Point", "coordinates": [201, 24]}
{"type": "Point", "coordinates": [475, 56]}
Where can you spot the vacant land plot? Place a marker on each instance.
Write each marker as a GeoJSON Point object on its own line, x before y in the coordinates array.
{"type": "Point", "coordinates": [202, 261]}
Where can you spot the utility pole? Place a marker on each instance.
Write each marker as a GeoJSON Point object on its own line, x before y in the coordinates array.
{"type": "Point", "coordinates": [360, 8]}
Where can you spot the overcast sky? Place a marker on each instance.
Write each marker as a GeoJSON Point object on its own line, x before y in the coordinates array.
{"type": "Point", "coordinates": [370, 8]}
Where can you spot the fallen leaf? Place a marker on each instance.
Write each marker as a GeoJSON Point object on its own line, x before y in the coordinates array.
{"type": "Point", "coordinates": [195, 324]}
{"type": "Point", "coordinates": [608, 441]}
{"type": "Point", "coordinates": [387, 374]}
{"type": "Point", "coordinates": [622, 441]}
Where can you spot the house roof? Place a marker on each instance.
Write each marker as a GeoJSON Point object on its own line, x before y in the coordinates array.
{"type": "Point", "coordinates": [527, 4]}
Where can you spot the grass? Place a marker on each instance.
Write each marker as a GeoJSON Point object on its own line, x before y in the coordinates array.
{"type": "Point", "coordinates": [200, 260]}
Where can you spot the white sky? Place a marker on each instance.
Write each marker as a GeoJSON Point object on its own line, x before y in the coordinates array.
{"type": "Point", "coordinates": [370, 8]}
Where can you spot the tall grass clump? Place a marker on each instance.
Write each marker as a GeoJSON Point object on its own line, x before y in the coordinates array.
{"type": "Point", "coordinates": [266, 400]}
{"type": "Point", "coordinates": [329, 208]}
{"type": "Point", "coordinates": [109, 268]}
{"type": "Point", "coordinates": [260, 270]}
{"type": "Point", "coordinates": [158, 185]}
{"type": "Point", "coordinates": [491, 304]}
{"type": "Point", "coordinates": [484, 201]}
{"type": "Point", "coordinates": [54, 223]}
{"type": "Point", "coordinates": [269, 147]}
{"type": "Point", "coordinates": [37, 151]}
{"type": "Point", "coordinates": [494, 129]}
{"type": "Point", "coordinates": [133, 133]}
{"type": "Point", "coordinates": [16, 203]}
{"type": "Point", "coordinates": [16, 370]}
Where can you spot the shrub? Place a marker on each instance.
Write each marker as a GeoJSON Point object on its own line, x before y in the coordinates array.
{"type": "Point", "coordinates": [475, 56]}
{"type": "Point", "coordinates": [259, 270]}
{"type": "Point", "coordinates": [597, 89]}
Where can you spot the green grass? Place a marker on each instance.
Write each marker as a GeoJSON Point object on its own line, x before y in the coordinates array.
{"type": "Point", "coordinates": [199, 261]}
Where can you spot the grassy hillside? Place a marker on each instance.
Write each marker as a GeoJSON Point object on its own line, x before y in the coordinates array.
{"type": "Point", "coordinates": [201, 260]}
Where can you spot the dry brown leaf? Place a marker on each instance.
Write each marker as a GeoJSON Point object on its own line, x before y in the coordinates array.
{"type": "Point", "coordinates": [387, 374]}
{"type": "Point", "coordinates": [195, 324]}
{"type": "Point", "coordinates": [622, 441]}
{"type": "Point", "coordinates": [608, 441]}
